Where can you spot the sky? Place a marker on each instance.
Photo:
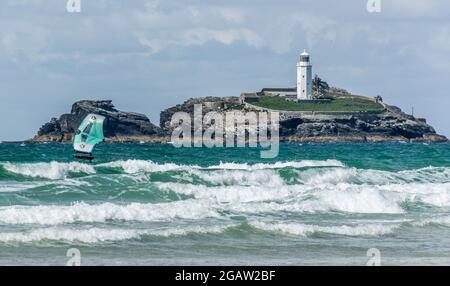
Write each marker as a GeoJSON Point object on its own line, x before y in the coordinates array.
{"type": "Point", "coordinates": [148, 55]}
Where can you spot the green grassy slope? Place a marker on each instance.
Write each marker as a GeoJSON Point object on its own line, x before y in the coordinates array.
{"type": "Point", "coordinates": [352, 104]}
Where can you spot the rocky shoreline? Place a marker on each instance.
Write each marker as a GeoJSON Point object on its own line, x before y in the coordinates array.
{"type": "Point", "coordinates": [391, 125]}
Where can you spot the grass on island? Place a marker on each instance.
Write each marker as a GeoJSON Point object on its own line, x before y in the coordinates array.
{"type": "Point", "coordinates": [347, 104]}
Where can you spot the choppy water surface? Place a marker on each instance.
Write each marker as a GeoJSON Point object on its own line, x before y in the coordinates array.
{"type": "Point", "coordinates": [159, 205]}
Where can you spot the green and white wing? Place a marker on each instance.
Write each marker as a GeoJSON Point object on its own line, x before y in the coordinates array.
{"type": "Point", "coordinates": [89, 134]}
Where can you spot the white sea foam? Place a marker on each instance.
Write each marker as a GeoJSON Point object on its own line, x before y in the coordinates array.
{"type": "Point", "coordinates": [7, 187]}
{"type": "Point", "coordinates": [427, 175]}
{"type": "Point", "coordinates": [373, 177]}
{"type": "Point", "coordinates": [243, 188]}
{"type": "Point", "coordinates": [136, 166]}
{"type": "Point", "coordinates": [358, 199]}
{"type": "Point", "coordinates": [433, 194]}
{"type": "Point", "coordinates": [51, 170]}
{"type": "Point", "coordinates": [278, 165]}
{"type": "Point", "coordinates": [98, 235]}
{"type": "Point", "coordinates": [294, 198]}
{"type": "Point", "coordinates": [228, 194]}
{"type": "Point", "coordinates": [343, 197]}
{"type": "Point", "coordinates": [307, 229]}
{"type": "Point", "coordinates": [58, 170]}
{"type": "Point", "coordinates": [190, 230]}
{"type": "Point", "coordinates": [383, 198]}
{"type": "Point", "coordinates": [93, 235]}
{"type": "Point", "coordinates": [240, 177]}
{"type": "Point", "coordinates": [443, 220]}
{"type": "Point", "coordinates": [81, 212]}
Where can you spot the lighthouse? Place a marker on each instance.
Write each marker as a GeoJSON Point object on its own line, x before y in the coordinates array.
{"type": "Point", "coordinates": [304, 77]}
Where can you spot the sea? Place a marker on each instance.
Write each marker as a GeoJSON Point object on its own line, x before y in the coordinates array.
{"type": "Point", "coordinates": [154, 204]}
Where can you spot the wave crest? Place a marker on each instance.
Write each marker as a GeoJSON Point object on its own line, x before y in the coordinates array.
{"type": "Point", "coordinates": [99, 235]}
{"type": "Point", "coordinates": [81, 212]}
{"type": "Point", "coordinates": [53, 170]}
{"type": "Point", "coordinates": [307, 229]}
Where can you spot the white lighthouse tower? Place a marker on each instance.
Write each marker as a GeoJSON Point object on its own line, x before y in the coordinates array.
{"type": "Point", "coordinates": [304, 77]}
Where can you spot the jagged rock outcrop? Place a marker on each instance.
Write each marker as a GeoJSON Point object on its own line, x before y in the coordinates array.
{"type": "Point", "coordinates": [391, 125]}
{"type": "Point", "coordinates": [118, 126]}
{"type": "Point", "coordinates": [387, 126]}
{"type": "Point", "coordinates": [219, 104]}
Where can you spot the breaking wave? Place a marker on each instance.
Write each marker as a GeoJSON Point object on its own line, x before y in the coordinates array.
{"type": "Point", "coordinates": [373, 177]}
{"type": "Point", "coordinates": [304, 172]}
{"type": "Point", "coordinates": [342, 197]}
{"type": "Point", "coordinates": [52, 170]}
{"type": "Point", "coordinates": [57, 170]}
{"type": "Point", "coordinates": [82, 212]}
{"type": "Point", "coordinates": [164, 193]}
{"type": "Point", "coordinates": [307, 229]}
{"type": "Point", "coordinates": [295, 187]}
{"type": "Point", "coordinates": [99, 235]}
{"type": "Point", "coordinates": [442, 221]}
{"type": "Point", "coordinates": [240, 177]}
{"type": "Point", "coordinates": [278, 165]}
{"type": "Point", "coordinates": [135, 166]}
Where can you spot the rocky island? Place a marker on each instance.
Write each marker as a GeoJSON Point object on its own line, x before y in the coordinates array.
{"type": "Point", "coordinates": [338, 117]}
{"type": "Point", "coordinates": [119, 126]}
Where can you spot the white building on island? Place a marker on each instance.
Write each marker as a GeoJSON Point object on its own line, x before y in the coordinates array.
{"type": "Point", "coordinates": [304, 77]}
{"type": "Point", "coordinates": [303, 90]}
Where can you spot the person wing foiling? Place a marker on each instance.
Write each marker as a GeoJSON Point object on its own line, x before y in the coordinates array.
{"type": "Point", "coordinates": [89, 134]}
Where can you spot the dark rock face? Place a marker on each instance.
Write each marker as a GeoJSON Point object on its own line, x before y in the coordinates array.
{"type": "Point", "coordinates": [405, 128]}
{"type": "Point", "coordinates": [219, 104]}
{"type": "Point", "coordinates": [117, 123]}
{"type": "Point", "coordinates": [387, 126]}
{"type": "Point", "coordinates": [391, 125]}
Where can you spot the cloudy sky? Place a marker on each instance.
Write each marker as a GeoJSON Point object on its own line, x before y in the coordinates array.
{"type": "Point", "coordinates": [147, 55]}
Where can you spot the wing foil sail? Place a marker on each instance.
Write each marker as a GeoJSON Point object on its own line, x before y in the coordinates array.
{"type": "Point", "coordinates": [89, 134]}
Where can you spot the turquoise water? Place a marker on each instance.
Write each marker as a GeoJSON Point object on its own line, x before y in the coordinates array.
{"type": "Point", "coordinates": [160, 205]}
